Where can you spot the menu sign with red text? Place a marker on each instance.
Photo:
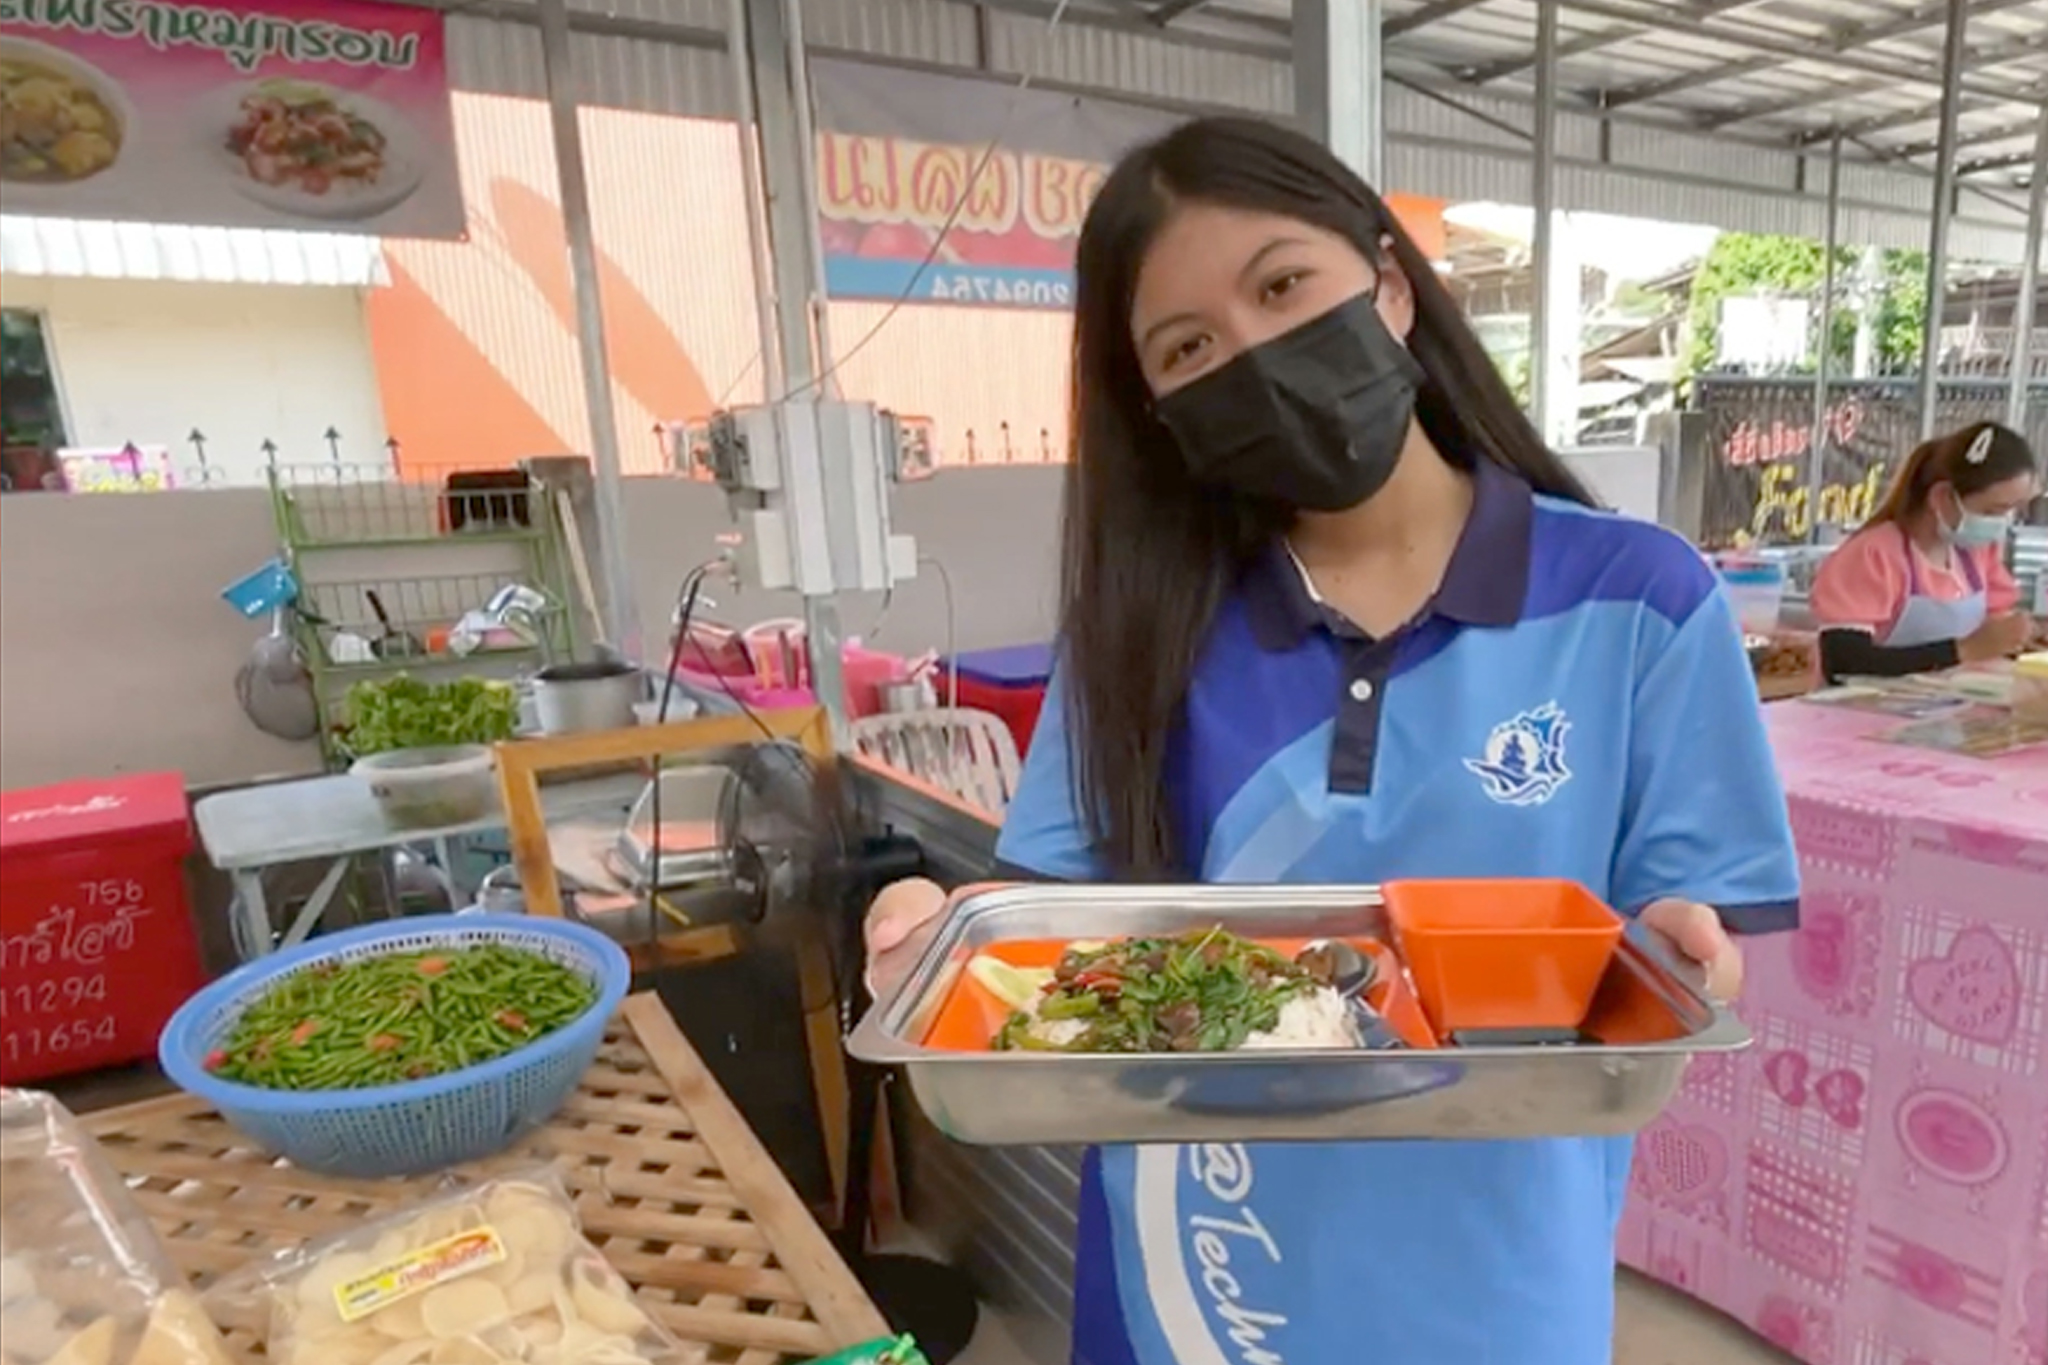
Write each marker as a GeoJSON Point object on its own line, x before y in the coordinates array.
{"type": "Point", "coordinates": [309, 114]}
{"type": "Point", "coordinates": [903, 155]}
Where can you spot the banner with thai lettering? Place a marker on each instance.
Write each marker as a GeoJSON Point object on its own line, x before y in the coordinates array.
{"type": "Point", "coordinates": [896, 151]}
{"type": "Point", "coordinates": [1758, 436]}
{"type": "Point", "coordinates": [311, 114]}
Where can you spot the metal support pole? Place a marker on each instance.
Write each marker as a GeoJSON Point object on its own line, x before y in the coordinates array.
{"type": "Point", "coordinates": [621, 613]}
{"type": "Point", "coordinates": [781, 88]}
{"type": "Point", "coordinates": [1944, 210]}
{"type": "Point", "coordinates": [754, 187]}
{"type": "Point", "coordinates": [807, 135]}
{"type": "Point", "coordinates": [1338, 81]}
{"type": "Point", "coordinates": [1824, 358]}
{"type": "Point", "coordinates": [1543, 194]}
{"type": "Point", "coordinates": [785, 166]}
{"type": "Point", "coordinates": [2030, 284]}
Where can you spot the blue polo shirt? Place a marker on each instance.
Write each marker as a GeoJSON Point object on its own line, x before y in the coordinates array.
{"type": "Point", "coordinates": [1575, 702]}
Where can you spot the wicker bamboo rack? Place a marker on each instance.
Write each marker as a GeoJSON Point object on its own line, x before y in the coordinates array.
{"type": "Point", "coordinates": [669, 1183]}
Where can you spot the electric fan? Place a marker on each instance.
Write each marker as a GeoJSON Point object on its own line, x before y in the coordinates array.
{"type": "Point", "coordinates": [787, 854]}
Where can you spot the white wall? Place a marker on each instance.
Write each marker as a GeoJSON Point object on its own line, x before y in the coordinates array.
{"type": "Point", "coordinates": [117, 654]}
{"type": "Point", "coordinates": [992, 529]}
{"type": "Point", "coordinates": [148, 361]}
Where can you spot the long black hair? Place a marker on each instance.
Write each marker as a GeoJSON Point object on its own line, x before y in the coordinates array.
{"type": "Point", "coordinates": [1148, 554]}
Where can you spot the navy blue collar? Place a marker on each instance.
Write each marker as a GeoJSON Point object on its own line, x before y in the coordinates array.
{"type": "Point", "coordinates": [1485, 584]}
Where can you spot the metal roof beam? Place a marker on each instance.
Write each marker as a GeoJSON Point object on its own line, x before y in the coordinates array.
{"type": "Point", "coordinates": [1449, 97]}
{"type": "Point", "coordinates": [1594, 42]}
{"type": "Point", "coordinates": [1433, 12]}
{"type": "Point", "coordinates": [1165, 14]}
{"type": "Point", "coordinates": [1884, 123]}
{"type": "Point", "coordinates": [1575, 47]}
{"type": "Point", "coordinates": [1806, 99]}
{"type": "Point", "coordinates": [1879, 156]}
{"type": "Point", "coordinates": [1996, 163]}
{"type": "Point", "coordinates": [1983, 137]}
{"type": "Point", "coordinates": [1430, 88]}
{"type": "Point", "coordinates": [1271, 40]}
{"type": "Point", "coordinates": [1687, 80]}
{"type": "Point", "coordinates": [1791, 48]}
{"type": "Point", "coordinates": [1853, 38]}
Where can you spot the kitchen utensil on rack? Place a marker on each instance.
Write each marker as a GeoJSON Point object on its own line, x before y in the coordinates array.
{"type": "Point", "coordinates": [274, 687]}
{"type": "Point", "coordinates": [392, 643]}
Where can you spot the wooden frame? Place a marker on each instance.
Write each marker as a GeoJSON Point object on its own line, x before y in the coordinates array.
{"type": "Point", "coordinates": [520, 766]}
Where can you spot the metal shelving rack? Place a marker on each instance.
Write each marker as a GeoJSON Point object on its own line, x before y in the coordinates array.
{"type": "Point", "coordinates": [431, 555]}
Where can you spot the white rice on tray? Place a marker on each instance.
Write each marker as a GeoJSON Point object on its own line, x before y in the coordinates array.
{"type": "Point", "coordinates": [1319, 1019]}
{"type": "Point", "coordinates": [1316, 1020]}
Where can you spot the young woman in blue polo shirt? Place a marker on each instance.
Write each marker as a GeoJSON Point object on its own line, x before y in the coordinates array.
{"type": "Point", "coordinates": [1333, 613]}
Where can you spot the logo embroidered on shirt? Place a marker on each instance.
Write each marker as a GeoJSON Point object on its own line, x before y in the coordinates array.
{"type": "Point", "coordinates": [1524, 760]}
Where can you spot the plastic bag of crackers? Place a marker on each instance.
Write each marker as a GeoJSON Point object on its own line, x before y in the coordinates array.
{"type": "Point", "coordinates": [83, 1279]}
{"type": "Point", "coordinates": [490, 1274]}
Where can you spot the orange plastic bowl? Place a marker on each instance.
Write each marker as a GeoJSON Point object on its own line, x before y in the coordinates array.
{"type": "Point", "coordinates": [1502, 954]}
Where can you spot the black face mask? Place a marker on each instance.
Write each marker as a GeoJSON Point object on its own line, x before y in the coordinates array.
{"type": "Point", "coordinates": [1314, 419]}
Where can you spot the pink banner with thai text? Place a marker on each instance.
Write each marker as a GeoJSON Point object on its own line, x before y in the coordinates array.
{"type": "Point", "coordinates": [1869, 1184]}
{"type": "Point", "coordinates": [327, 115]}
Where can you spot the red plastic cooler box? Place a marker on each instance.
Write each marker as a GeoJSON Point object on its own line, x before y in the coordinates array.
{"type": "Point", "coordinates": [97, 948]}
{"type": "Point", "coordinates": [1009, 683]}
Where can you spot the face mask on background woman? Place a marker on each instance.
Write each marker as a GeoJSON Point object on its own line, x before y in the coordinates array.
{"type": "Point", "coordinates": [1973, 530]}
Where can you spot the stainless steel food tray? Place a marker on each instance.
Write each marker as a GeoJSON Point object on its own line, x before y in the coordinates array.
{"type": "Point", "coordinates": [1017, 1098]}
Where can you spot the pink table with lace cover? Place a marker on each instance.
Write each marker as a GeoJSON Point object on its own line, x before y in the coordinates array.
{"type": "Point", "coordinates": [1868, 1185]}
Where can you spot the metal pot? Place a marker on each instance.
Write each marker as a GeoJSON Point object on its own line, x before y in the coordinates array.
{"type": "Point", "coordinates": [571, 698]}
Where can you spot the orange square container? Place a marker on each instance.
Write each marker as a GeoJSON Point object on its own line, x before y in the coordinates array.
{"type": "Point", "coordinates": [1502, 954]}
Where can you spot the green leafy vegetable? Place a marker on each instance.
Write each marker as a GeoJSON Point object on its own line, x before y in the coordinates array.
{"type": "Point", "coordinates": [408, 713]}
{"type": "Point", "coordinates": [1205, 991]}
{"type": "Point", "coordinates": [399, 1017]}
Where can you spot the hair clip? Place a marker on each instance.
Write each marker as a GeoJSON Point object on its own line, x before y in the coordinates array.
{"type": "Point", "coordinates": [1980, 447]}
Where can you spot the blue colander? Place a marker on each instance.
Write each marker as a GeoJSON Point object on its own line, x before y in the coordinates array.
{"type": "Point", "coordinates": [419, 1126]}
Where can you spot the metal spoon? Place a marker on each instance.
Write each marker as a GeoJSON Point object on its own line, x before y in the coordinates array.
{"type": "Point", "coordinates": [1351, 975]}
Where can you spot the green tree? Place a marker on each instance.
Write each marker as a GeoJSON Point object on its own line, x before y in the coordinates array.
{"type": "Point", "coordinates": [1515, 369]}
{"type": "Point", "coordinates": [1901, 312]}
{"type": "Point", "coordinates": [1741, 264]}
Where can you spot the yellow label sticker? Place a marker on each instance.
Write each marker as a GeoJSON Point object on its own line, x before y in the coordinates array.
{"type": "Point", "coordinates": [418, 1271]}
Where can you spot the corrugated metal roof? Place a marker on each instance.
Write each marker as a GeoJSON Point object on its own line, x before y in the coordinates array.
{"type": "Point", "coordinates": [491, 56]}
{"type": "Point", "coordinates": [900, 30]}
{"type": "Point", "coordinates": [1139, 65]}
{"type": "Point", "coordinates": [67, 247]}
{"type": "Point", "coordinates": [1687, 119]}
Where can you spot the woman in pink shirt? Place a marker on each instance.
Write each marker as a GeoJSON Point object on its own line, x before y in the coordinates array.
{"type": "Point", "coordinates": [1923, 586]}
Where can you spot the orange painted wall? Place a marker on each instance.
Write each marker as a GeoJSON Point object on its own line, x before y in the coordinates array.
{"type": "Point", "coordinates": [475, 342]}
{"type": "Point", "coordinates": [1424, 220]}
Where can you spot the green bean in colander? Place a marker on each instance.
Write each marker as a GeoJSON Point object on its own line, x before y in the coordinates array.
{"type": "Point", "coordinates": [399, 1017]}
